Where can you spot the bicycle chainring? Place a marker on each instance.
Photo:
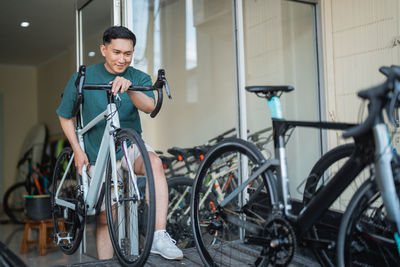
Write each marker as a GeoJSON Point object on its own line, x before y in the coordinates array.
{"type": "Point", "coordinates": [282, 244]}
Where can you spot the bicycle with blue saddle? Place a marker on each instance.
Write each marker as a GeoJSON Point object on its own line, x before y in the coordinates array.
{"type": "Point", "coordinates": [256, 221]}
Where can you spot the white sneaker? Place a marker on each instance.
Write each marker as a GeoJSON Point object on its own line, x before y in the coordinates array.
{"type": "Point", "coordinates": [164, 246]}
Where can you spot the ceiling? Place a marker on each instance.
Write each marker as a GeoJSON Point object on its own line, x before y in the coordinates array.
{"type": "Point", "coordinates": [51, 30]}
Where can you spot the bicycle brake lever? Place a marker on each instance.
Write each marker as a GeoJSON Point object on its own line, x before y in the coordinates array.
{"type": "Point", "coordinates": [167, 88]}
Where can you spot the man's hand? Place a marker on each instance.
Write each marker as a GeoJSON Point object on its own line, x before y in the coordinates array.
{"type": "Point", "coordinates": [120, 84]}
{"type": "Point", "coordinates": [80, 160]}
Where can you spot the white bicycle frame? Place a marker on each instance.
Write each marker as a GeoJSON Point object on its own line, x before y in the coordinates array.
{"type": "Point", "coordinates": [107, 149]}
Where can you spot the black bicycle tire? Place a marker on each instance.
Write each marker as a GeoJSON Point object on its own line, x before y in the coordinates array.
{"type": "Point", "coordinates": [367, 192]}
{"type": "Point", "coordinates": [229, 144]}
{"type": "Point", "coordinates": [173, 182]}
{"type": "Point", "coordinates": [68, 152]}
{"type": "Point", "coordinates": [6, 206]}
{"type": "Point", "coordinates": [121, 134]}
{"type": "Point", "coordinates": [328, 159]}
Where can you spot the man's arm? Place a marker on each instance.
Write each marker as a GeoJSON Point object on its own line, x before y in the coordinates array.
{"type": "Point", "coordinates": [141, 101]}
{"type": "Point", "coordinates": [80, 157]}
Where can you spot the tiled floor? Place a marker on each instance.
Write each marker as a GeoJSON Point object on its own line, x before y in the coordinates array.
{"type": "Point", "coordinates": [11, 235]}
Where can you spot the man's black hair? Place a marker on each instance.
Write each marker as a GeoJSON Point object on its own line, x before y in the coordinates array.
{"type": "Point", "coordinates": [118, 32]}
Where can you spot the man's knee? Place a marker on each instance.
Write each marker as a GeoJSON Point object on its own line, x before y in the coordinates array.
{"type": "Point", "coordinates": [156, 162]}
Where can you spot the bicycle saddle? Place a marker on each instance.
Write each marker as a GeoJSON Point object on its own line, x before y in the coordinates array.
{"type": "Point", "coordinates": [176, 151]}
{"type": "Point", "coordinates": [269, 88]}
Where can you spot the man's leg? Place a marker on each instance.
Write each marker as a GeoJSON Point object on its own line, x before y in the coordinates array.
{"type": "Point", "coordinates": [161, 187]}
{"type": "Point", "coordinates": [104, 247]}
{"type": "Point", "coordinates": [163, 244]}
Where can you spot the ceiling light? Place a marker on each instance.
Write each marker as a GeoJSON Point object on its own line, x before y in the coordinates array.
{"type": "Point", "coordinates": [25, 24]}
{"type": "Point", "coordinates": [91, 54]}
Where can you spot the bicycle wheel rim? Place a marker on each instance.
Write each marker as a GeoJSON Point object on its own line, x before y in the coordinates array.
{"type": "Point", "coordinates": [14, 203]}
{"type": "Point", "coordinates": [67, 222]}
{"type": "Point", "coordinates": [366, 234]}
{"type": "Point", "coordinates": [203, 217]}
{"type": "Point", "coordinates": [131, 223]}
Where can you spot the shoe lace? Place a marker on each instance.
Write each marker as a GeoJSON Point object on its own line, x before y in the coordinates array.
{"type": "Point", "coordinates": [169, 238]}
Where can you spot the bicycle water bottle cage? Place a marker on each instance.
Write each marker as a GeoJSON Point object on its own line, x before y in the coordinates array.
{"type": "Point", "coordinates": [268, 91]}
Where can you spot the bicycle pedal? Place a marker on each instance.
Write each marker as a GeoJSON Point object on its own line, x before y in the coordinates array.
{"type": "Point", "coordinates": [61, 239]}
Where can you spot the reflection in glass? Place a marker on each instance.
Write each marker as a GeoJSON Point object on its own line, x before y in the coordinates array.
{"type": "Point", "coordinates": [96, 18]}
{"type": "Point", "coordinates": [191, 49]}
{"type": "Point", "coordinates": [157, 37]}
{"type": "Point", "coordinates": [140, 27]}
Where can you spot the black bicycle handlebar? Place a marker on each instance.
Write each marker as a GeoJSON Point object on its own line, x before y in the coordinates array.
{"type": "Point", "coordinates": [157, 86]}
{"type": "Point", "coordinates": [379, 97]}
{"type": "Point", "coordinates": [80, 80]}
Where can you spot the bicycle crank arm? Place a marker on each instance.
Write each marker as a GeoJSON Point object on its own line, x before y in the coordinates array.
{"type": "Point", "coordinates": [257, 240]}
{"type": "Point", "coordinates": [318, 243]}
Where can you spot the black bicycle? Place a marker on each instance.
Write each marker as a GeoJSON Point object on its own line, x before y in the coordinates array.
{"type": "Point", "coordinates": [256, 220]}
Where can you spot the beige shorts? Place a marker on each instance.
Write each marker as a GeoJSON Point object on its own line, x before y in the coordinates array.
{"type": "Point", "coordinates": [134, 153]}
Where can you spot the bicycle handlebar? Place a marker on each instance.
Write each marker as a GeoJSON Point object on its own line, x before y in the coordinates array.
{"type": "Point", "coordinates": [157, 86]}
{"type": "Point", "coordinates": [379, 97]}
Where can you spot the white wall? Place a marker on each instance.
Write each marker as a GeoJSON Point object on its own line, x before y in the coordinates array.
{"type": "Point", "coordinates": [52, 77]}
{"type": "Point", "coordinates": [358, 39]}
{"type": "Point", "coordinates": [20, 113]}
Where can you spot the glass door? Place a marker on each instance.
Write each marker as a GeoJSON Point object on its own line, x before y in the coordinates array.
{"type": "Point", "coordinates": [281, 49]}
{"type": "Point", "coordinates": [193, 42]}
{"type": "Point", "coordinates": [92, 19]}
{"type": "Point", "coordinates": [1, 143]}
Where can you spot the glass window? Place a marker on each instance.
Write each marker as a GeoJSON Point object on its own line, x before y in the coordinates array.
{"type": "Point", "coordinates": [193, 42]}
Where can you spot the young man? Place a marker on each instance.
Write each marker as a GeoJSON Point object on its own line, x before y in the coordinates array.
{"type": "Point", "coordinates": [117, 49]}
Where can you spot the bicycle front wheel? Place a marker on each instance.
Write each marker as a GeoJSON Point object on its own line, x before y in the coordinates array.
{"type": "Point", "coordinates": [67, 203]}
{"type": "Point", "coordinates": [322, 172]}
{"type": "Point", "coordinates": [366, 236]}
{"type": "Point", "coordinates": [130, 200]}
{"type": "Point", "coordinates": [234, 234]}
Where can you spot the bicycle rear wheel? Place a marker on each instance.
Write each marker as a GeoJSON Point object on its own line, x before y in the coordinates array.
{"type": "Point", "coordinates": [366, 236]}
{"type": "Point", "coordinates": [178, 218]}
{"type": "Point", "coordinates": [68, 206]}
{"type": "Point", "coordinates": [131, 217]}
{"type": "Point", "coordinates": [220, 235]}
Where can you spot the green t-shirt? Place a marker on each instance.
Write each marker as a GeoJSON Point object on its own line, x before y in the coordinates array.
{"type": "Point", "coordinates": [95, 102]}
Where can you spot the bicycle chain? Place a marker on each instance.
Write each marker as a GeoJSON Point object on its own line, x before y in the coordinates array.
{"type": "Point", "coordinates": [241, 249]}
{"type": "Point", "coordinates": [260, 222]}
